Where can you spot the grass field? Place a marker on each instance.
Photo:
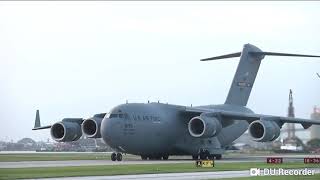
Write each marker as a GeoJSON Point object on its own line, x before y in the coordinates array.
{"type": "Point", "coordinates": [53, 156]}
{"type": "Point", "coordinates": [16, 173]}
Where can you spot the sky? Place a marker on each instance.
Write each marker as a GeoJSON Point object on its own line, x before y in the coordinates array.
{"type": "Point", "coordinates": [76, 59]}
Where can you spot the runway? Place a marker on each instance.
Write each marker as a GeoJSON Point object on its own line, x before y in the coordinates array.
{"type": "Point", "coordinates": [227, 159]}
{"type": "Point", "coordinates": [169, 176]}
{"type": "Point", "coordinates": [166, 176]}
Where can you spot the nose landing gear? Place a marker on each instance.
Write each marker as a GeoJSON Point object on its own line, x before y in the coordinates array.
{"type": "Point", "coordinates": [116, 157]}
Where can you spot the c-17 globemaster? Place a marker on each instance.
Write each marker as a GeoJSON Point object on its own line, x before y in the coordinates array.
{"type": "Point", "coordinates": [156, 130]}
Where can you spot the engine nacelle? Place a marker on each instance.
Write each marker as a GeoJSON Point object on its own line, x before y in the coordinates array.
{"type": "Point", "coordinates": [65, 131]}
{"type": "Point", "coordinates": [204, 127]}
{"type": "Point", "coordinates": [91, 127]}
{"type": "Point", "coordinates": [264, 130]}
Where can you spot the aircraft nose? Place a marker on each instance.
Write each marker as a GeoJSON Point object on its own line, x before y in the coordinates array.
{"type": "Point", "coordinates": [110, 131]}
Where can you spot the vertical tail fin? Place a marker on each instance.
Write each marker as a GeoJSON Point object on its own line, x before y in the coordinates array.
{"type": "Point", "coordinates": [250, 59]}
{"type": "Point", "coordinates": [245, 76]}
{"type": "Point", "coordinates": [37, 121]}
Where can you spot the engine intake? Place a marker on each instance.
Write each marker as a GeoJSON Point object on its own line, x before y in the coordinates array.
{"type": "Point", "coordinates": [66, 131]}
{"type": "Point", "coordinates": [264, 130]}
{"type": "Point", "coordinates": [91, 127]}
{"type": "Point", "coordinates": [204, 127]}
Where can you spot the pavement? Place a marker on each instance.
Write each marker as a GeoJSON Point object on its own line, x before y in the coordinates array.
{"type": "Point", "coordinates": [242, 158]}
{"type": "Point", "coordinates": [165, 176]}
{"type": "Point", "coordinates": [170, 176]}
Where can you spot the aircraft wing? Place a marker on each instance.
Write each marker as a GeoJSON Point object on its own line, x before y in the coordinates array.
{"type": "Point", "coordinates": [37, 124]}
{"type": "Point", "coordinates": [249, 117]}
{"type": "Point", "coordinates": [42, 127]}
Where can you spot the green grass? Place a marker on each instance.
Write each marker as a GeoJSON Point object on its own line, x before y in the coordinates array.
{"type": "Point", "coordinates": [313, 177]}
{"type": "Point", "coordinates": [16, 173]}
{"type": "Point", "coordinates": [53, 157]}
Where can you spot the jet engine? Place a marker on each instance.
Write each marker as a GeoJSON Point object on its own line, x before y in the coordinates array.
{"type": "Point", "coordinates": [91, 127]}
{"type": "Point", "coordinates": [264, 130]}
{"type": "Point", "coordinates": [204, 127]}
{"type": "Point", "coordinates": [65, 131]}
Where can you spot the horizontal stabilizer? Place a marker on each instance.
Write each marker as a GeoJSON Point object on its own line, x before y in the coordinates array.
{"type": "Point", "coordinates": [281, 54]}
{"type": "Point", "coordinates": [237, 54]}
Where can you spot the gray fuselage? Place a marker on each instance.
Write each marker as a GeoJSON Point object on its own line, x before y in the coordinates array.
{"type": "Point", "coordinates": [158, 129]}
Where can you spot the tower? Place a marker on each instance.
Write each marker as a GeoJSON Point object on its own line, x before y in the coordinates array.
{"type": "Point", "coordinates": [291, 143]}
{"type": "Point", "coordinates": [290, 126]}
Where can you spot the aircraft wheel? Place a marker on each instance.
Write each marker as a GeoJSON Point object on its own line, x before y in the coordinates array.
{"type": "Point", "coordinates": [143, 157]}
{"type": "Point", "coordinates": [119, 157]}
{"type": "Point", "coordinates": [165, 157]}
{"type": "Point", "coordinates": [218, 156]}
{"type": "Point", "coordinates": [151, 157]}
{"type": "Point", "coordinates": [204, 154]}
{"type": "Point", "coordinates": [158, 157]}
{"type": "Point", "coordinates": [211, 156]}
{"type": "Point", "coordinates": [113, 156]}
{"type": "Point", "coordinates": [195, 157]}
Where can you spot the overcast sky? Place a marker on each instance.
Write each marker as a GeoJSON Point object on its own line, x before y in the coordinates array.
{"type": "Point", "coordinates": [75, 59]}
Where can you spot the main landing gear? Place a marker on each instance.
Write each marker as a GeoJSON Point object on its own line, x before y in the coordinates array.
{"type": "Point", "coordinates": [116, 157]}
{"type": "Point", "coordinates": [204, 155]}
{"type": "Point", "coordinates": [155, 157]}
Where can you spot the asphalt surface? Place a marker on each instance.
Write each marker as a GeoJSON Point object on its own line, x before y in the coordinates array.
{"type": "Point", "coordinates": [170, 176]}
{"type": "Point", "coordinates": [166, 176]}
{"type": "Point", "coordinates": [227, 159]}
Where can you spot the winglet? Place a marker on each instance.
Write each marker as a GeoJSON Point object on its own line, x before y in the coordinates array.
{"type": "Point", "coordinates": [37, 124]}
{"type": "Point", "coordinates": [37, 121]}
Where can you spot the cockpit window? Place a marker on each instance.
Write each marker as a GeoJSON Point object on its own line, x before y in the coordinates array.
{"type": "Point", "coordinates": [113, 115]}
{"type": "Point", "coordinates": [122, 116]}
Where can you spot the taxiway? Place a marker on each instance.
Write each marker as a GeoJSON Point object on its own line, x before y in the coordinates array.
{"type": "Point", "coordinates": [227, 159]}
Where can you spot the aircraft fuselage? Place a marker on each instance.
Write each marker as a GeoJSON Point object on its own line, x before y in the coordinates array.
{"type": "Point", "coordinates": [158, 129]}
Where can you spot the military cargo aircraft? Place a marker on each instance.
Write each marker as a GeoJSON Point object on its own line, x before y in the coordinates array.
{"type": "Point", "coordinates": [156, 130]}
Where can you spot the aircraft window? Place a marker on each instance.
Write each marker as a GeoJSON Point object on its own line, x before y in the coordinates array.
{"type": "Point", "coordinates": [121, 115]}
